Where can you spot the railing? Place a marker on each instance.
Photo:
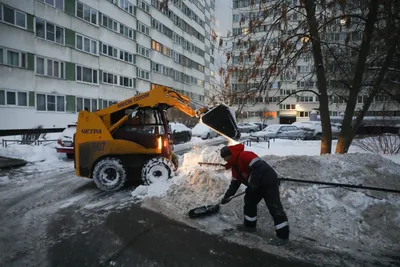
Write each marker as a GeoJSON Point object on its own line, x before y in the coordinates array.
{"type": "Point", "coordinates": [5, 142]}
{"type": "Point", "coordinates": [30, 131]}
{"type": "Point", "coordinates": [257, 139]}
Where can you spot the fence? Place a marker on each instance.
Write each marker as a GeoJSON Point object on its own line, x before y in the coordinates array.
{"type": "Point", "coordinates": [6, 142]}
{"type": "Point", "coordinates": [256, 139]}
{"type": "Point", "coordinates": [30, 131]}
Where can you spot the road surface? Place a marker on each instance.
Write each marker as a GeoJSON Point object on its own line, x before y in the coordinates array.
{"type": "Point", "coordinates": [62, 220]}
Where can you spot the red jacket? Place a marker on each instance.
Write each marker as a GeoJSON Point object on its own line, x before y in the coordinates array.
{"type": "Point", "coordinates": [241, 160]}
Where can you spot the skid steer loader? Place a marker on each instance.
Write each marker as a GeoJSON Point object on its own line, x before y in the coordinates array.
{"type": "Point", "coordinates": [131, 137]}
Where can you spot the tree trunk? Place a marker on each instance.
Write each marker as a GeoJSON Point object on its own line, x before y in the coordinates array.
{"type": "Point", "coordinates": [326, 139]}
{"type": "Point", "coordinates": [346, 132]}
{"type": "Point", "coordinates": [375, 90]}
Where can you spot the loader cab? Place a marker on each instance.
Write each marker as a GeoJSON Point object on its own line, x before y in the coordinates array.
{"type": "Point", "coordinates": [144, 126]}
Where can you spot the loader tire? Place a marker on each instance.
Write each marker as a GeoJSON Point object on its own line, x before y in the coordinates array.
{"type": "Point", "coordinates": [157, 169]}
{"type": "Point", "coordinates": [109, 174]}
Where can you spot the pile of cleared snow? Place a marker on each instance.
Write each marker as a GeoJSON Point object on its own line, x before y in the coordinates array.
{"type": "Point", "coordinates": [339, 219]}
{"type": "Point", "coordinates": [191, 180]}
{"type": "Point", "coordinates": [44, 157]}
{"type": "Point", "coordinates": [31, 153]}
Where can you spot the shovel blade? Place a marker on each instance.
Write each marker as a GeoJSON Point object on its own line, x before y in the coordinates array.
{"type": "Point", "coordinates": [203, 211]}
{"type": "Point", "coordinates": [221, 119]}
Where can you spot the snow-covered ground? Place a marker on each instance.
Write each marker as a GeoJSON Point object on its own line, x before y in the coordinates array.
{"type": "Point", "coordinates": [364, 224]}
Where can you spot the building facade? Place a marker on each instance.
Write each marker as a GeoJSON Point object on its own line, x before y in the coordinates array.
{"type": "Point", "coordinates": [58, 57]}
{"type": "Point", "coordinates": [297, 106]}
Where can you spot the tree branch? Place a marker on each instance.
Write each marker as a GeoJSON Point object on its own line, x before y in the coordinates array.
{"type": "Point", "coordinates": [299, 91]}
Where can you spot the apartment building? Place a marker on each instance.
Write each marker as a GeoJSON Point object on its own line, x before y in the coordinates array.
{"type": "Point", "coordinates": [296, 77]}
{"type": "Point", "coordinates": [58, 57]}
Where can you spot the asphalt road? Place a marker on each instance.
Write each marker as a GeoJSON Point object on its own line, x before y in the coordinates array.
{"type": "Point", "coordinates": [61, 220]}
{"type": "Point", "coordinates": [138, 237]}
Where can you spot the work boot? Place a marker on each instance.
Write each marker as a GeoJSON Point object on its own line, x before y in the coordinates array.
{"type": "Point", "coordinates": [244, 228]}
{"type": "Point", "coordinates": [276, 241]}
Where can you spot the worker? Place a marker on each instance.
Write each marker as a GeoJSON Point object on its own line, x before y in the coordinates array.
{"type": "Point", "coordinates": [262, 183]}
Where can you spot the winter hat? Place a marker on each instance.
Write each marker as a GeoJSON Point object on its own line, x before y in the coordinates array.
{"type": "Point", "coordinates": [225, 152]}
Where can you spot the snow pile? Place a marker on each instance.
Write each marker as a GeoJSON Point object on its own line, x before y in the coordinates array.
{"type": "Point", "coordinates": [31, 153]}
{"type": "Point", "coordinates": [41, 158]}
{"type": "Point", "coordinates": [337, 219]}
{"type": "Point", "coordinates": [191, 179]}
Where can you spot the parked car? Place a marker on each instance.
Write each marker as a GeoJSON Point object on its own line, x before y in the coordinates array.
{"type": "Point", "coordinates": [246, 127]}
{"type": "Point", "coordinates": [180, 133]}
{"type": "Point", "coordinates": [261, 125]}
{"type": "Point", "coordinates": [204, 132]}
{"type": "Point", "coordinates": [315, 128]}
{"type": "Point", "coordinates": [65, 142]}
{"type": "Point", "coordinates": [282, 131]}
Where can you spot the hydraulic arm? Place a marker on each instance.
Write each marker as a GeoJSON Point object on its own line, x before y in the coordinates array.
{"type": "Point", "coordinates": [218, 118]}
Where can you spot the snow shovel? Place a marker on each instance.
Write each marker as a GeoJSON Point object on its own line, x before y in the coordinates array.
{"type": "Point", "coordinates": [208, 209]}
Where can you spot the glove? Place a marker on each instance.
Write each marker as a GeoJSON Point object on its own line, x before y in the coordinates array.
{"type": "Point", "coordinates": [225, 200]}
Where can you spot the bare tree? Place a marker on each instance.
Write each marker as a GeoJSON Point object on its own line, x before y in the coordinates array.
{"type": "Point", "coordinates": [352, 44]}
{"type": "Point", "coordinates": [238, 98]}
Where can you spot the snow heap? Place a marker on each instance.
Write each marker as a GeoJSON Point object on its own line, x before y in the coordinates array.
{"type": "Point", "coordinates": [359, 222]}
{"type": "Point", "coordinates": [191, 180]}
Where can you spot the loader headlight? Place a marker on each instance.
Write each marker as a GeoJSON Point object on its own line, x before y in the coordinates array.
{"type": "Point", "coordinates": [159, 142]}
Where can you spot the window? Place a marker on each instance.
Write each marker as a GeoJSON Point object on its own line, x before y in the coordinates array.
{"type": "Point", "coordinates": [142, 74]}
{"type": "Point", "coordinates": [59, 4]}
{"type": "Point", "coordinates": [12, 58]}
{"type": "Point", "coordinates": [126, 31]}
{"type": "Point", "coordinates": [109, 23]}
{"type": "Point", "coordinates": [126, 5]}
{"type": "Point", "coordinates": [86, 103]}
{"type": "Point", "coordinates": [143, 51]}
{"type": "Point", "coordinates": [86, 44]}
{"type": "Point", "coordinates": [50, 102]}
{"type": "Point", "coordinates": [110, 78]}
{"type": "Point", "coordinates": [117, 27]}
{"type": "Point", "coordinates": [60, 103]}
{"type": "Point", "coordinates": [87, 75]}
{"type": "Point", "coordinates": [49, 67]}
{"type": "Point", "coordinates": [125, 81]}
{"type": "Point", "coordinates": [49, 31]}
{"type": "Point", "coordinates": [283, 106]}
{"type": "Point", "coordinates": [86, 13]}
{"type": "Point", "coordinates": [11, 98]}
{"type": "Point", "coordinates": [40, 102]}
{"type": "Point", "coordinates": [143, 28]}
{"type": "Point", "coordinates": [13, 17]}
{"type": "Point", "coordinates": [2, 97]}
{"type": "Point", "coordinates": [156, 46]}
{"type": "Point", "coordinates": [304, 114]}
{"type": "Point", "coordinates": [117, 53]}
{"type": "Point", "coordinates": [143, 5]}
{"type": "Point", "coordinates": [94, 105]}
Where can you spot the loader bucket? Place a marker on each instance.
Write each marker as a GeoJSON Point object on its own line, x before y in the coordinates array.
{"type": "Point", "coordinates": [221, 120]}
